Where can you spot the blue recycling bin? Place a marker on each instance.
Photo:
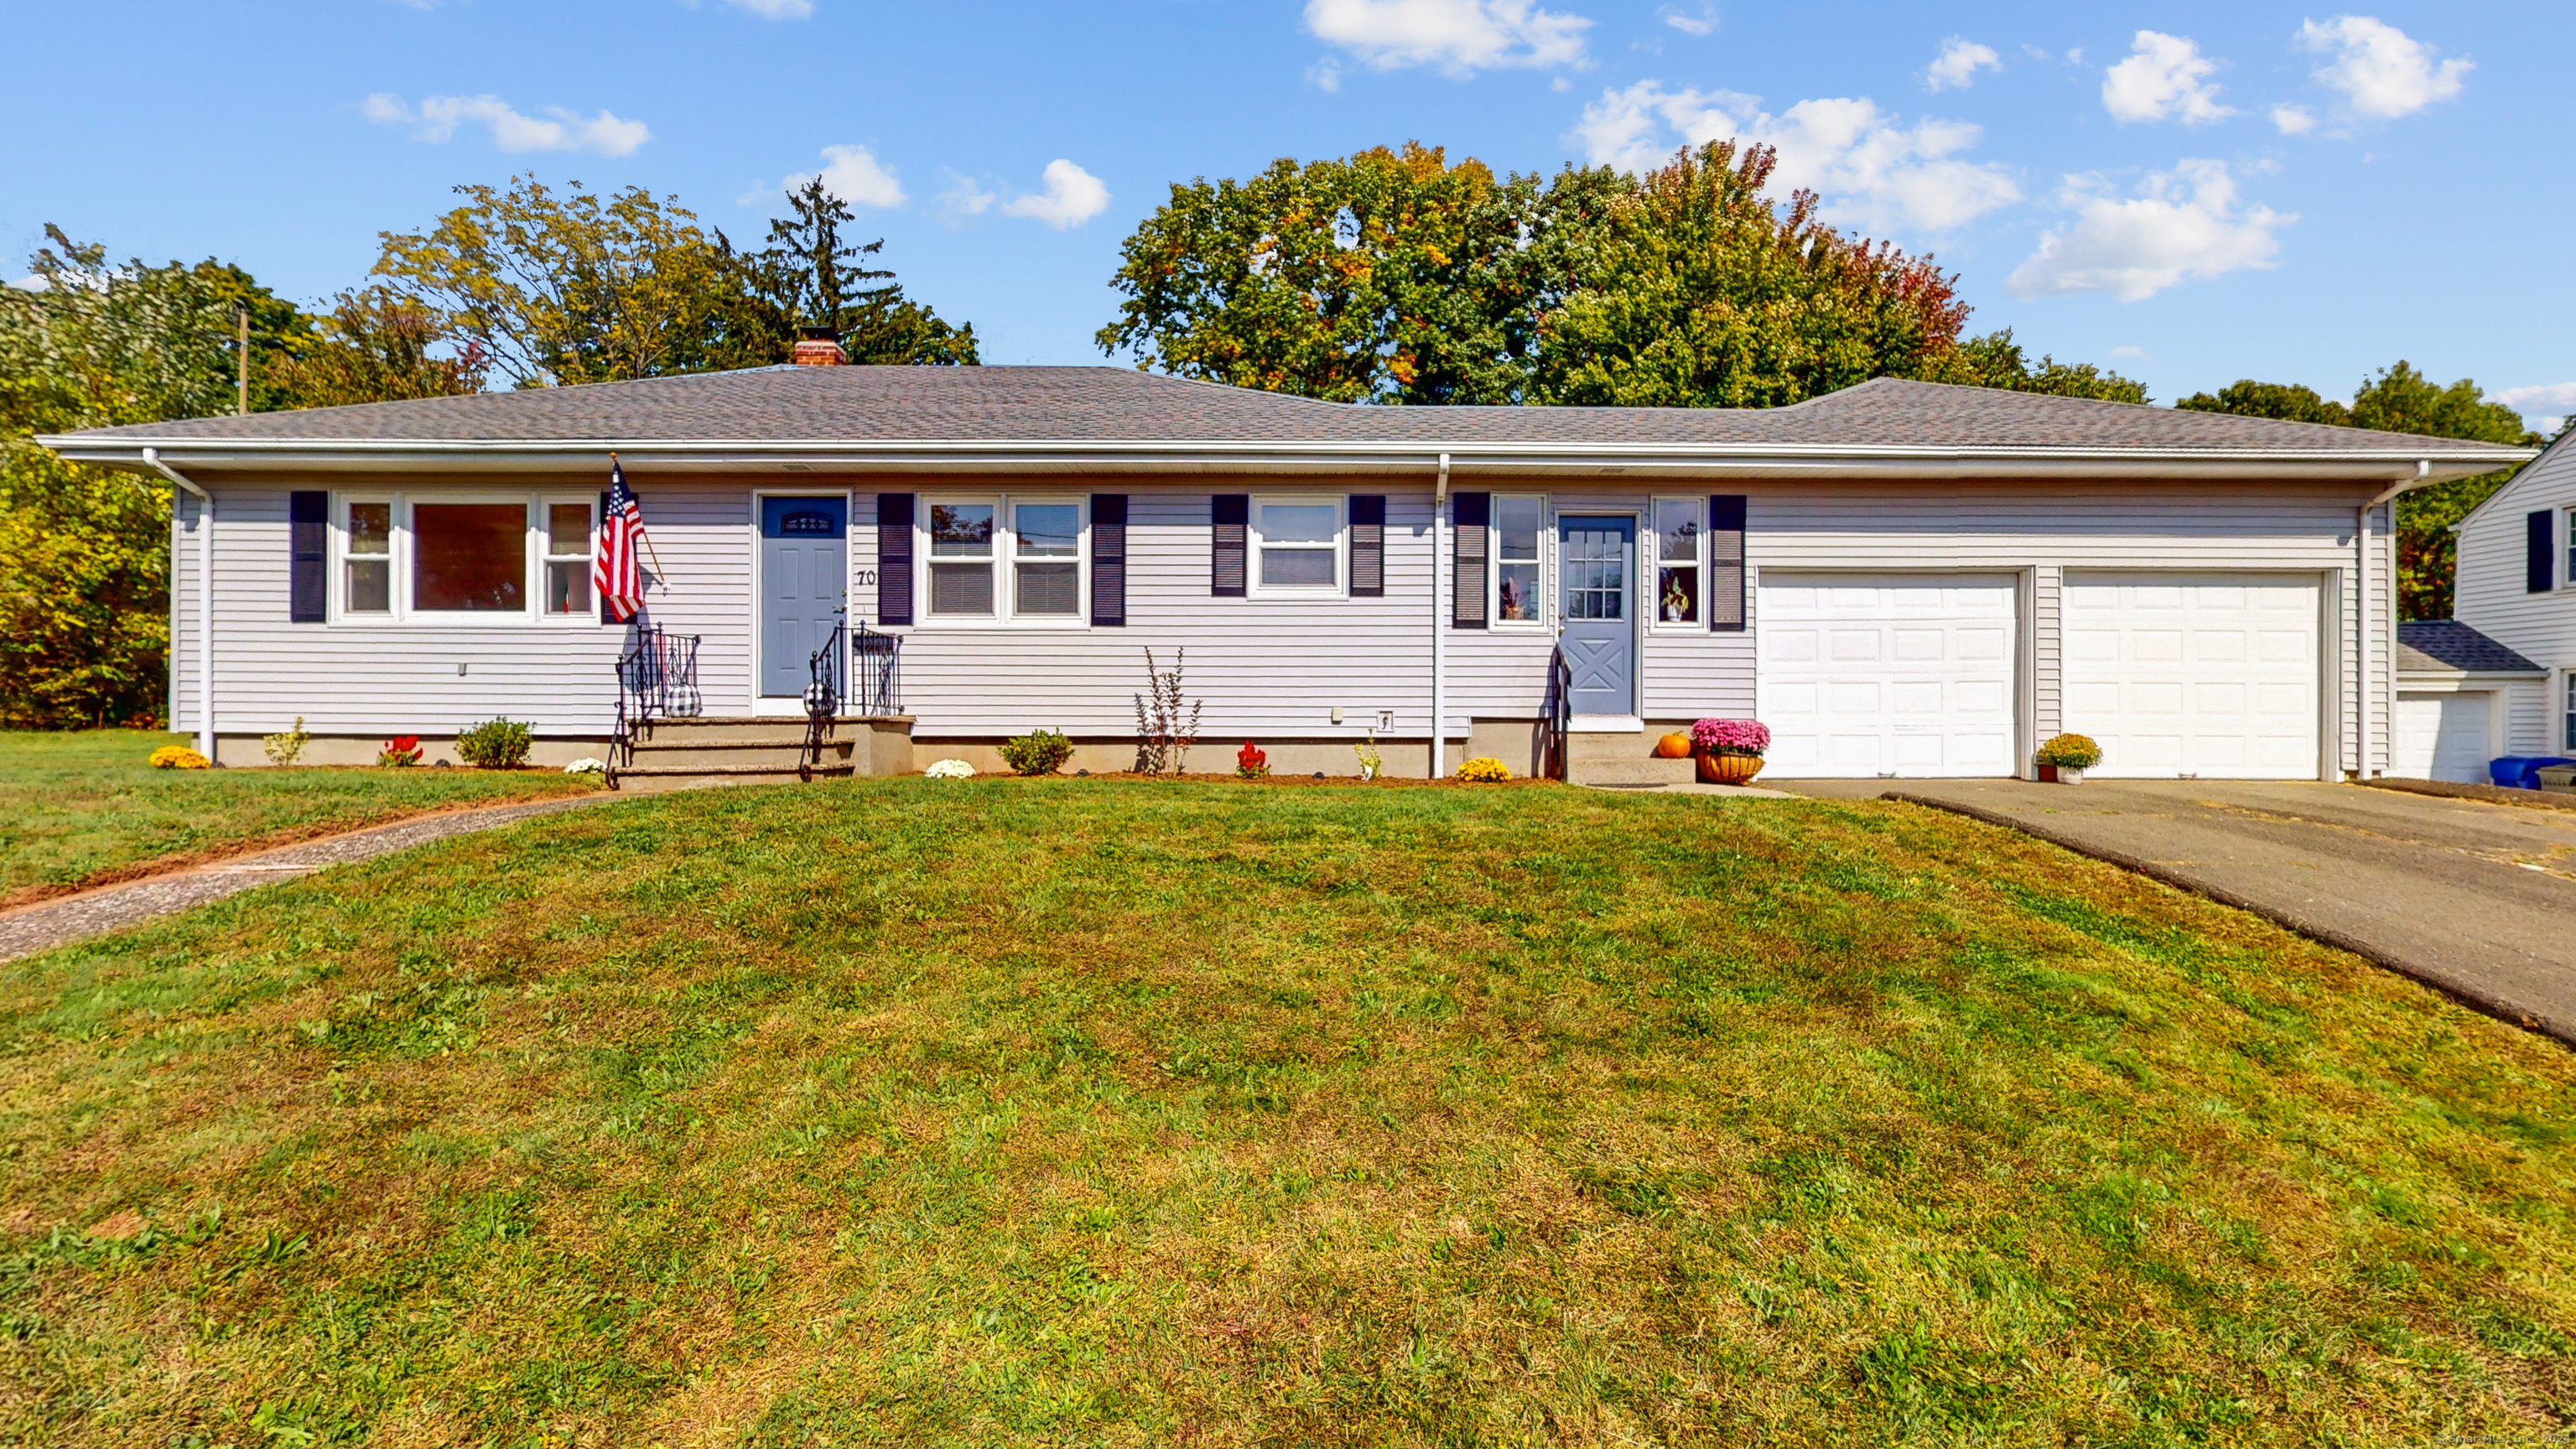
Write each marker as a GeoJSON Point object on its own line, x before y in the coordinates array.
{"type": "Point", "coordinates": [2522, 772]}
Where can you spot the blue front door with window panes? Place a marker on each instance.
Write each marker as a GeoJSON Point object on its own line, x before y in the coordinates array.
{"type": "Point", "coordinates": [1597, 617]}
{"type": "Point", "coordinates": [804, 586]}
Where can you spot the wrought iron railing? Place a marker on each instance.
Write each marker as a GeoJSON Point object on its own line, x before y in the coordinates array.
{"type": "Point", "coordinates": [857, 672]}
{"type": "Point", "coordinates": [657, 678]}
{"type": "Point", "coordinates": [1560, 715]}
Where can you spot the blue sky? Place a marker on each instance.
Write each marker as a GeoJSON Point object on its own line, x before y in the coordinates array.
{"type": "Point", "coordinates": [2188, 193]}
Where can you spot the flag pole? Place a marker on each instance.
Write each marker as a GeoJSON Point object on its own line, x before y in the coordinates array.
{"type": "Point", "coordinates": [646, 534]}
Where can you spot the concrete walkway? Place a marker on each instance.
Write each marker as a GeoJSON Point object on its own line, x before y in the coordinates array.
{"type": "Point", "coordinates": [65, 919]}
{"type": "Point", "coordinates": [2475, 899]}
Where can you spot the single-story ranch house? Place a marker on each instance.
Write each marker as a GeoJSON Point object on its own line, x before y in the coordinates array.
{"type": "Point", "coordinates": [1900, 579]}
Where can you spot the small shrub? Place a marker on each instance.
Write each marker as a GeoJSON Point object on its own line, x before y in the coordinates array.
{"type": "Point", "coordinates": [2071, 752]}
{"type": "Point", "coordinates": [495, 744]}
{"type": "Point", "coordinates": [1164, 733]}
{"type": "Point", "coordinates": [177, 757]}
{"type": "Point", "coordinates": [1484, 769]}
{"type": "Point", "coordinates": [399, 753]}
{"type": "Point", "coordinates": [1731, 736]}
{"type": "Point", "coordinates": [950, 770]}
{"type": "Point", "coordinates": [587, 765]}
{"type": "Point", "coordinates": [1370, 760]}
{"type": "Point", "coordinates": [1039, 752]}
{"type": "Point", "coordinates": [1250, 763]}
{"type": "Point", "coordinates": [287, 747]}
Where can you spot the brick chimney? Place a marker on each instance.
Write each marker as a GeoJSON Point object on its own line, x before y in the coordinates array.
{"type": "Point", "coordinates": [818, 347]}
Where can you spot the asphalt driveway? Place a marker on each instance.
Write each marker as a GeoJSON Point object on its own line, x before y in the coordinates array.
{"type": "Point", "coordinates": [2474, 898]}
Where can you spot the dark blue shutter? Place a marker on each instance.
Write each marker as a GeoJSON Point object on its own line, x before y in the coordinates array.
{"type": "Point", "coordinates": [1726, 563]}
{"type": "Point", "coordinates": [1368, 545]}
{"type": "Point", "coordinates": [894, 558]}
{"type": "Point", "coordinates": [2539, 570]}
{"type": "Point", "coordinates": [1228, 514]}
{"type": "Point", "coordinates": [1474, 512]}
{"type": "Point", "coordinates": [1109, 559]}
{"type": "Point", "coordinates": [308, 569]}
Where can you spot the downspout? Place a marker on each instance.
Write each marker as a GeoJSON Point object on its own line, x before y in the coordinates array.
{"type": "Point", "coordinates": [1439, 625]}
{"type": "Point", "coordinates": [2361, 618]}
{"type": "Point", "coordinates": [205, 596]}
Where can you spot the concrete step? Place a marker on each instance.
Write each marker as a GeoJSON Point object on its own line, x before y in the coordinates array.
{"type": "Point", "coordinates": [703, 754]}
{"type": "Point", "coordinates": [1634, 770]}
{"type": "Point", "coordinates": [1622, 745]}
{"type": "Point", "coordinates": [701, 728]}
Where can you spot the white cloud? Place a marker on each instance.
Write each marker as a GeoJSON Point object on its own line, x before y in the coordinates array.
{"type": "Point", "coordinates": [1956, 67]}
{"type": "Point", "coordinates": [1072, 197]}
{"type": "Point", "coordinates": [440, 116]}
{"type": "Point", "coordinates": [1703, 23]}
{"type": "Point", "coordinates": [2529, 401]}
{"type": "Point", "coordinates": [777, 9]}
{"type": "Point", "coordinates": [963, 198]}
{"type": "Point", "coordinates": [1326, 75]}
{"type": "Point", "coordinates": [1458, 36]}
{"type": "Point", "coordinates": [2381, 71]}
{"type": "Point", "coordinates": [2183, 224]}
{"type": "Point", "coordinates": [1871, 169]}
{"type": "Point", "coordinates": [2293, 120]}
{"type": "Point", "coordinates": [854, 174]}
{"type": "Point", "coordinates": [2134, 354]}
{"type": "Point", "coordinates": [2165, 75]}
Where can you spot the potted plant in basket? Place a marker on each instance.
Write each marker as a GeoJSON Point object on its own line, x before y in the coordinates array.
{"type": "Point", "coordinates": [2064, 759]}
{"type": "Point", "coordinates": [1729, 751]}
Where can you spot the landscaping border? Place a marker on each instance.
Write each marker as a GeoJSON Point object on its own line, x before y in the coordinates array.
{"type": "Point", "coordinates": [2562, 1032]}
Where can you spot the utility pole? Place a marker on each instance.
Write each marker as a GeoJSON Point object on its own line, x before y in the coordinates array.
{"type": "Point", "coordinates": [241, 348]}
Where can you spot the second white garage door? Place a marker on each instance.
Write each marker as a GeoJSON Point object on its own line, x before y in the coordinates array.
{"type": "Point", "coordinates": [2443, 735]}
{"type": "Point", "coordinates": [2203, 674]}
{"type": "Point", "coordinates": [1887, 674]}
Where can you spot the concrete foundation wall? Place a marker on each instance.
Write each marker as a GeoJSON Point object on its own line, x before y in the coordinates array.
{"type": "Point", "coordinates": [246, 752]}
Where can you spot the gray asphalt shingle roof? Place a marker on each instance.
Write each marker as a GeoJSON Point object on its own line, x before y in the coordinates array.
{"type": "Point", "coordinates": [1119, 405]}
{"type": "Point", "coordinates": [2441, 645]}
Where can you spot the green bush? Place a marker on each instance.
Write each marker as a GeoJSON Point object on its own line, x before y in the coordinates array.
{"type": "Point", "coordinates": [495, 744]}
{"type": "Point", "coordinates": [1039, 752]}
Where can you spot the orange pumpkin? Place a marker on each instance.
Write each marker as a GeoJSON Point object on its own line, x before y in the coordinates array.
{"type": "Point", "coordinates": [1675, 746]}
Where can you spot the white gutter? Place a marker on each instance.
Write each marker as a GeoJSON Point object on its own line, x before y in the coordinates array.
{"type": "Point", "coordinates": [1439, 625]}
{"type": "Point", "coordinates": [2361, 617]}
{"type": "Point", "coordinates": [205, 598]}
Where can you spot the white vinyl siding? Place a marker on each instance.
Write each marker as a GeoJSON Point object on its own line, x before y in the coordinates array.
{"type": "Point", "coordinates": [2489, 596]}
{"type": "Point", "coordinates": [1266, 668]}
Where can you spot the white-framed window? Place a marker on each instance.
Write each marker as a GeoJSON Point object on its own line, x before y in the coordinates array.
{"type": "Point", "coordinates": [471, 558]}
{"type": "Point", "coordinates": [1297, 544]}
{"type": "Point", "coordinates": [2567, 531]}
{"type": "Point", "coordinates": [366, 533]}
{"type": "Point", "coordinates": [2567, 737]}
{"type": "Point", "coordinates": [1681, 535]}
{"type": "Point", "coordinates": [1520, 573]}
{"type": "Point", "coordinates": [567, 558]}
{"type": "Point", "coordinates": [1006, 558]}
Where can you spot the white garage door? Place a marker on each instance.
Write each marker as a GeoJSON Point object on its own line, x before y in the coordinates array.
{"type": "Point", "coordinates": [1887, 674]}
{"type": "Point", "coordinates": [2443, 736]}
{"type": "Point", "coordinates": [2203, 674]}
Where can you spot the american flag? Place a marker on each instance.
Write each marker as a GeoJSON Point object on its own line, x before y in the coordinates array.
{"type": "Point", "coordinates": [614, 571]}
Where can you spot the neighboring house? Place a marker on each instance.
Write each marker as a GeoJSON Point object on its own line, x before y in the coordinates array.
{"type": "Point", "coordinates": [2516, 584]}
{"type": "Point", "coordinates": [1900, 578]}
{"type": "Point", "coordinates": [2462, 700]}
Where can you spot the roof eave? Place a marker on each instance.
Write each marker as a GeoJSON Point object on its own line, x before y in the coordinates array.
{"type": "Point", "coordinates": [1197, 455]}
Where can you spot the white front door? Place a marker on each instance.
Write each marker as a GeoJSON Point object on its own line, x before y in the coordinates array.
{"type": "Point", "coordinates": [1876, 674]}
{"type": "Point", "coordinates": [2183, 675]}
{"type": "Point", "coordinates": [2443, 735]}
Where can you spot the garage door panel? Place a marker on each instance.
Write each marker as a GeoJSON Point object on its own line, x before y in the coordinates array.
{"type": "Point", "coordinates": [2443, 735]}
{"type": "Point", "coordinates": [2195, 674]}
{"type": "Point", "coordinates": [1914, 675]}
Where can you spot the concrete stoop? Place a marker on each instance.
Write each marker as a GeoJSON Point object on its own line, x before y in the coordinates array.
{"type": "Point", "coordinates": [679, 753]}
{"type": "Point", "coordinates": [1623, 760]}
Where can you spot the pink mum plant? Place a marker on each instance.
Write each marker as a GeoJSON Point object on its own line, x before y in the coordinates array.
{"type": "Point", "coordinates": [1731, 736]}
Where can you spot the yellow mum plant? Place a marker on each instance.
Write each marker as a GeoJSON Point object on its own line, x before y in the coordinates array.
{"type": "Point", "coordinates": [1484, 768]}
{"type": "Point", "coordinates": [177, 757]}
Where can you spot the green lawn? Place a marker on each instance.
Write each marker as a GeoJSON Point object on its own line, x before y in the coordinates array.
{"type": "Point", "coordinates": [83, 807]}
{"type": "Point", "coordinates": [1098, 1112]}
